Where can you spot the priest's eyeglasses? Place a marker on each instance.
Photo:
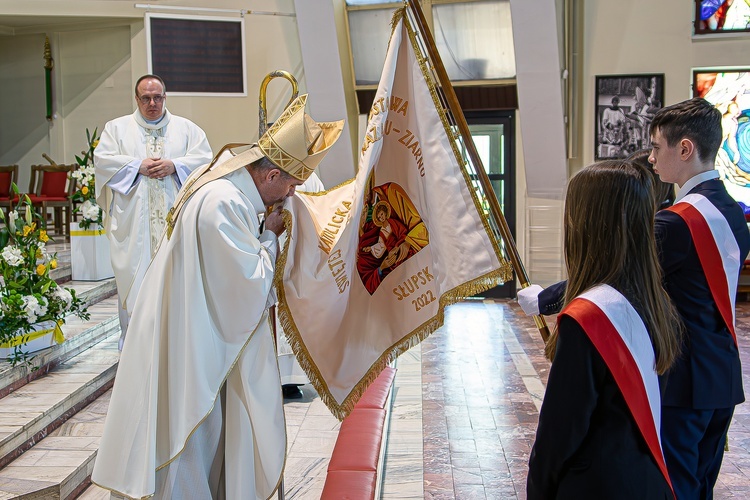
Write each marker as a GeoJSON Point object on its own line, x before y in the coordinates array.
{"type": "Point", "coordinates": [145, 99]}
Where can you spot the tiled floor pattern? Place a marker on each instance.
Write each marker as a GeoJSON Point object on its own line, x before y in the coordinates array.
{"type": "Point", "coordinates": [483, 382]}
{"type": "Point", "coordinates": [311, 435]}
{"type": "Point", "coordinates": [464, 412]}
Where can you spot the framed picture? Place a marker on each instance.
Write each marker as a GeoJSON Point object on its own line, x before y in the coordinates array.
{"type": "Point", "coordinates": [197, 55]}
{"type": "Point", "coordinates": [625, 106]}
{"type": "Point", "coordinates": [721, 17]}
{"type": "Point", "coordinates": [729, 90]}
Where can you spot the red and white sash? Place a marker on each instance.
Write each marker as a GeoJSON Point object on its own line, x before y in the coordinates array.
{"type": "Point", "coordinates": [620, 337]}
{"type": "Point", "coordinates": [717, 250]}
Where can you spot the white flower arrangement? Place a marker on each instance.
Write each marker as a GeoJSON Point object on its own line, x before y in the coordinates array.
{"type": "Point", "coordinates": [28, 295]}
{"type": "Point", "coordinates": [85, 178]}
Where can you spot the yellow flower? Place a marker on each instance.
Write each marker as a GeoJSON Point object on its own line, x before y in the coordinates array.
{"type": "Point", "coordinates": [39, 253]}
{"type": "Point", "coordinates": [85, 190]}
{"type": "Point", "coordinates": [27, 230]}
{"type": "Point", "coordinates": [40, 269]}
{"type": "Point", "coordinates": [95, 143]}
{"type": "Point", "coordinates": [53, 263]}
{"type": "Point", "coordinates": [43, 236]}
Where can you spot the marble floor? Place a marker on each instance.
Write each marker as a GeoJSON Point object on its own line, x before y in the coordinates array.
{"type": "Point", "coordinates": [483, 378]}
{"type": "Point", "coordinates": [463, 414]}
{"type": "Point", "coordinates": [464, 411]}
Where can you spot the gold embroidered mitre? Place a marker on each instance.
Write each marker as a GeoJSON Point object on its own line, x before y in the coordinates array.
{"type": "Point", "coordinates": [296, 143]}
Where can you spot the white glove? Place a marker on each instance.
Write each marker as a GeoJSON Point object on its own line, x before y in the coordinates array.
{"type": "Point", "coordinates": [528, 299]}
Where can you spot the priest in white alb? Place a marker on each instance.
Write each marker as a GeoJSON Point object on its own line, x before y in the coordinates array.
{"type": "Point", "coordinates": [196, 409]}
{"type": "Point", "coordinates": [141, 162]}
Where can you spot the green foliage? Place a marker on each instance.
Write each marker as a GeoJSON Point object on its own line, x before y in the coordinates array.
{"type": "Point", "coordinates": [28, 295]}
{"type": "Point", "coordinates": [85, 197]}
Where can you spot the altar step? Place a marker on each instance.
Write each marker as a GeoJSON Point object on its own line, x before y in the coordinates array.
{"type": "Point", "coordinates": [47, 410]}
{"type": "Point", "coordinates": [59, 466]}
{"type": "Point", "coordinates": [53, 424]}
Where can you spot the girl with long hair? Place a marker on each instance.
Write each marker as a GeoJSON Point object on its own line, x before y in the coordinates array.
{"type": "Point", "coordinates": [598, 433]}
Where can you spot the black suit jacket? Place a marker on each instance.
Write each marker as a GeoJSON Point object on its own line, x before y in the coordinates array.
{"type": "Point", "coordinates": [588, 445]}
{"type": "Point", "coordinates": [707, 375]}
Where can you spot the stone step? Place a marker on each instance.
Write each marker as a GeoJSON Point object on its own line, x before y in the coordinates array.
{"type": "Point", "coordinates": [63, 272]}
{"type": "Point", "coordinates": [92, 292]}
{"type": "Point", "coordinates": [94, 492]}
{"type": "Point", "coordinates": [59, 466]}
{"type": "Point", "coordinates": [79, 334]}
{"type": "Point", "coordinates": [29, 414]}
{"type": "Point", "coordinates": [49, 409]}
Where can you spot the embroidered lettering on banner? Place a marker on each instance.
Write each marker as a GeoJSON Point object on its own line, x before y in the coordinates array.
{"type": "Point", "coordinates": [327, 236]}
{"type": "Point", "coordinates": [338, 270]}
{"type": "Point", "coordinates": [411, 285]}
{"type": "Point", "coordinates": [377, 131]}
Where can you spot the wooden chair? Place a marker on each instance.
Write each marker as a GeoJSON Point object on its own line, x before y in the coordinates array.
{"type": "Point", "coordinates": [51, 187]}
{"type": "Point", "coordinates": [8, 175]}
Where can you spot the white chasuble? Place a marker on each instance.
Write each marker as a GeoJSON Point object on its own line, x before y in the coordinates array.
{"type": "Point", "coordinates": [199, 322]}
{"type": "Point", "coordinates": [134, 219]}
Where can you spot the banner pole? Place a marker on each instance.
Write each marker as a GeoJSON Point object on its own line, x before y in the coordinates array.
{"type": "Point", "coordinates": [463, 128]}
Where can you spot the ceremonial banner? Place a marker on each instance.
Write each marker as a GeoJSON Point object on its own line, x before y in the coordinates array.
{"type": "Point", "coordinates": [371, 265]}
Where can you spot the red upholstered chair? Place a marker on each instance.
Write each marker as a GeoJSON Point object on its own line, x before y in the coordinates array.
{"type": "Point", "coordinates": [8, 175]}
{"type": "Point", "coordinates": [51, 187]}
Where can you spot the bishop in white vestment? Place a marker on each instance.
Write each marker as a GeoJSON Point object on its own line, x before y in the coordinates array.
{"type": "Point", "coordinates": [196, 410]}
{"type": "Point", "coordinates": [141, 162]}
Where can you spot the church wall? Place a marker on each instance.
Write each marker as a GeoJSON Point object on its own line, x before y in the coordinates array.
{"type": "Point", "coordinates": [23, 127]}
{"type": "Point", "coordinates": [99, 48]}
{"type": "Point", "coordinates": [639, 36]}
{"type": "Point", "coordinates": [643, 36]}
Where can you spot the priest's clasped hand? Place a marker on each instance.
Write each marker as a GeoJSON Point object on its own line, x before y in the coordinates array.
{"type": "Point", "coordinates": [156, 168]}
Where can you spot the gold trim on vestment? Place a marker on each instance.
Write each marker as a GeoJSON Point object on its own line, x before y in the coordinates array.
{"type": "Point", "coordinates": [224, 380]}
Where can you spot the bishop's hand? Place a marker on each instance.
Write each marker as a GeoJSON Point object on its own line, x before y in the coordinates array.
{"type": "Point", "coordinates": [274, 220]}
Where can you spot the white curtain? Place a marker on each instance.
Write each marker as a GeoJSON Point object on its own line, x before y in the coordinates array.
{"type": "Point", "coordinates": [475, 39]}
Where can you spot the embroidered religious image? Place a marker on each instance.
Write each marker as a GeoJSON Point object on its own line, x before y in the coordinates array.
{"type": "Point", "coordinates": [390, 232]}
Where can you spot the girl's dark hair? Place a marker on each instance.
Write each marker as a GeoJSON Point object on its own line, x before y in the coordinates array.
{"type": "Point", "coordinates": [609, 239]}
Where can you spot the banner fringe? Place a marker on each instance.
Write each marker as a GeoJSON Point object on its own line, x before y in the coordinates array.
{"type": "Point", "coordinates": [478, 285]}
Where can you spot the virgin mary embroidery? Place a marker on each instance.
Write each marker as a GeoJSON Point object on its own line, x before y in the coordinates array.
{"type": "Point", "coordinates": [390, 233]}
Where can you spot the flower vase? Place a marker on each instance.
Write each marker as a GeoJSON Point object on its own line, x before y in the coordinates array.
{"type": "Point", "coordinates": [89, 254]}
{"type": "Point", "coordinates": [43, 335]}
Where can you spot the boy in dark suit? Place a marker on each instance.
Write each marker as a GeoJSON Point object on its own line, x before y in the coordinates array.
{"type": "Point", "coordinates": [703, 241]}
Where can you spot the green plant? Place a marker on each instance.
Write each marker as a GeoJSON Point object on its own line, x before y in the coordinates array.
{"type": "Point", "coordinates": [84, 197]}
{"type": "Point", "coordinates": [28, 295]}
